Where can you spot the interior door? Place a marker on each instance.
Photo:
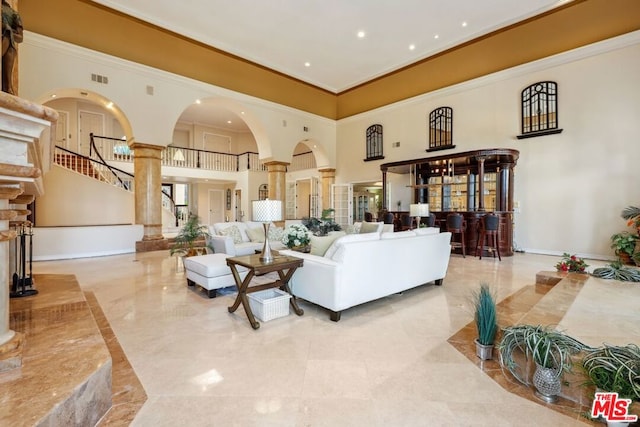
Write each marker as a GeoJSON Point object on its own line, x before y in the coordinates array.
{"type": "Point", "coordinates": [303, 193]}
{"type": "Point", "coordinates": [88, 123]}
{"type": "Point", "coordinates": [62, 130]}
{"type": "Point", "coordinates": [239, 211]}
{"type": "Point", "coordinates": [290, 208]}
{"type": "Point", "coordinates": [342, 203]}
{"type": "Point", "coordinates": [216, 206]}
{"type": "Point", "coordinates": [316, 198]}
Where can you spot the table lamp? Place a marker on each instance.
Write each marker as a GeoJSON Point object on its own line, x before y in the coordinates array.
{"type": "Point", "coordinates": [265, 211]}
{"type": "Point", "coordinates": [418, 210]}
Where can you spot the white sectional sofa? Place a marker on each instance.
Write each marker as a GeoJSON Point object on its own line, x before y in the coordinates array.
{"type": "Point", "coordinates": [359, 268]}
{"type": "Point", "coordinates": [250, 238]}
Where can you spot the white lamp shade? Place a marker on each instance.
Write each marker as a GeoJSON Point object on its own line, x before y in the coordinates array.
{"type": "Point", "coordinates": [267, 210]}
{"type": "Point", "coordinates": [419, 209]}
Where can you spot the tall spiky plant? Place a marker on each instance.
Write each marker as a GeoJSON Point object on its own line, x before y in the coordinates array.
{"type": "Point", "coordinates": [485, 315]}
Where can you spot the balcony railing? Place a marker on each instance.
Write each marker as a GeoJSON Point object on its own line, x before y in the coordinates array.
{"type": "Point", "coordinates": [113, 149]}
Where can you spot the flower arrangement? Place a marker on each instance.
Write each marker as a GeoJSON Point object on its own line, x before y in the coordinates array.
{"type": "Point", "coordinates": [296, 235]}
{"type": "Point", "coordinates": [571, 263]}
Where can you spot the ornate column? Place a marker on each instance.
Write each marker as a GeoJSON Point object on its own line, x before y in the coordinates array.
{"type": "Point", "coordinates": [21, 126]}
{"type": "Point", "coordinates": [148, 198]}
{"type": "Point", "coordinates": [481, 160]}
{"type": "Point", "coordinates": [277, 182]}
{"type": "Point", "coordinates": [328, 179]}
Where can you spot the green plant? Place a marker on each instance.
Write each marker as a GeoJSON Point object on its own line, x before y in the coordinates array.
{"type": "Point", "coordinates": [485, 315]}
{"type": "Point", "coordinates": [615, 369]}
{"type": "Point", "coordinates": [323, 225]}
{"type": "Point", "coordinates": [547, 347]}
{"type": "Point", "coordinates": [632, 215]}
{"type": "Point", "coordinates": [191, 231]}
{"type": "Point", "coordinates": [571, 263]}
{"type": "Point", "coordinates": [624, 242]}
{"type": "Point", "coordinates": [617, 271]}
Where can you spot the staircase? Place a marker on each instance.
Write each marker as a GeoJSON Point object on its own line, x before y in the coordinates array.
{"type": "Point", "coordinates": [76, 163]}
{"type": "Point", "coordinates": [96, 168]}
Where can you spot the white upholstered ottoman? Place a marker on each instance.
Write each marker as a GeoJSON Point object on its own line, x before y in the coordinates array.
{"type": "Point", "coordinates": [210, 272]}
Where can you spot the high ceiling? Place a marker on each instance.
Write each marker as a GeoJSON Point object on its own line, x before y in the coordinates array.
{"type": "Point", "coordinates": [284, 35]}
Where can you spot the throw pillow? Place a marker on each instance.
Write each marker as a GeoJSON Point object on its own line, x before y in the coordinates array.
{"type": "Point", "coordinates": [232, 232]}
{"type": "Point", "coordinates": [275, 233]}
{"type": "Point", "coordinates": [353, 228]}
{"type": "Point", "coordinates": [371, 227]}
{"type": "Point", "coordinates": [336, 250]}
{"type": "Point", "coordinates": [256, 234]}
{"type": "Point", "coordinates": [320, 244]}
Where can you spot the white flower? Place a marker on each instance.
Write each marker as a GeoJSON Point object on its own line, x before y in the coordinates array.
{"type": "Point", "coordinates": [296, 235]}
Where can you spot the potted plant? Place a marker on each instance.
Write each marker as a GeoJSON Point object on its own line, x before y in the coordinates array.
{"type": "Point", "coordinates": [632, 215]}
{"type": "Point", "coordinates": [617, 271]}
{"type": "Point", "coordinates": [614, 369]}
{"type": "Point", "coordinates": [323, 225]}
{"type": "Point", "coordinates": [486, 321]}
{"type": "Point", "coordinates": [624, 244]}
{"type": "Point", "coordinates": [549, 349]}
{"type": "Point", "coordinates": [572, 264]}
{"type": "Point", "coordinates": [185, 241]}
{"type": "Point", "coordinates": [296, 237]}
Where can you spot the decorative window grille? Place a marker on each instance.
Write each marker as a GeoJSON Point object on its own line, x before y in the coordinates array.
{"type": "Point", "coordinates": [540, 110]}
{"type": "Point", "coordinates": [441, 129]}
{"type": "Point", "coordinates": [374, 143]}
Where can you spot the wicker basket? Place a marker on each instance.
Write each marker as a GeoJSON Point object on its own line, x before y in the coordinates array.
{"type": "Point", "coordinates": [269, 304]}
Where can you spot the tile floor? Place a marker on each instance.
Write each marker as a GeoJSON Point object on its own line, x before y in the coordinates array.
{"type": "Point", "coordinates": [386, 363]}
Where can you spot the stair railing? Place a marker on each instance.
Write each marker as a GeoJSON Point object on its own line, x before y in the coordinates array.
{"type": "Point", "coordinates": [87, 166]}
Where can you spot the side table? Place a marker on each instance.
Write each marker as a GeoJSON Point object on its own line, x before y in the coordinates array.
{"type": "Point", "coordinates": [285, 266]}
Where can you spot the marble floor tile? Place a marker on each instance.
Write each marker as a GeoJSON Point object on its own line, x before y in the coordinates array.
{"type": "Point", "coordinates": [405, 360]}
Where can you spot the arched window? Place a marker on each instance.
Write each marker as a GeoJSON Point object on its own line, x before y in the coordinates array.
{"type": "Point", "coordinates": [540, 110]}
{"type": "Point", "coordinates": [374, 143]}
{"type": "Point", "coordinates": [441, 129]}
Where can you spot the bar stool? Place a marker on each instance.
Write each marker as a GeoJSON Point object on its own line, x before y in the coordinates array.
{"type": "Point", "coordinates": [406, 222]}
{"type": "Point", "coordinates": [388, 218]}
{"type": "Point", "coordinates": [455, 225]}
{"type": "Point", "coordinates": [489, 227]}
{"type": "Point", "coordinates": [430, 220]}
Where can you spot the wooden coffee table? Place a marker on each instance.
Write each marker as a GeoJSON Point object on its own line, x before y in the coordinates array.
{"type": "Point", "coordinates": [284, 265]}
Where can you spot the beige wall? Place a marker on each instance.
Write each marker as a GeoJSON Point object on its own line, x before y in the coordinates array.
{"type": "Point", "coordinates": [71, 199]}
{"type": "Point", "coordinates": [570, 187]}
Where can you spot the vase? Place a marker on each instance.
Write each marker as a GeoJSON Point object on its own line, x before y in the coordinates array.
{"type": "Point", "coordinates": [547, 383]}
{"type": "Point", "coordinates": [302, 248]}
{"type": "Point", "coordinates": [625, 258]}
{"type": "Point", "coordinates": [484, 352]}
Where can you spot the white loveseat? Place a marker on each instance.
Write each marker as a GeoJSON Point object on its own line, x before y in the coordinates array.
{"type": "Point", "coordinates": [250, 239]}
{"type": "Point", "coordinates": [360, 268]}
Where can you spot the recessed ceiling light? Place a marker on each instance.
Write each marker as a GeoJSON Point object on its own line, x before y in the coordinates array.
{"type": "Point", "coordinates": [436, 36]}
{"type": "Point", "coordinates": [241, 112]}
{"type": "Point", "coordinates": [464, 24]}
{"type": "Point", "coordinates": [229, 121]}
{"type": "Point", "coordinates": [54, 95]}
{"type": "Point", "coordinates": [198, 101]}
{"type": "Point", "coordinates": [361, 34]}
{"type": "Point", "coordinates": [412, 46]}
{"type": "Point", "coordinates": [307, 64]}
